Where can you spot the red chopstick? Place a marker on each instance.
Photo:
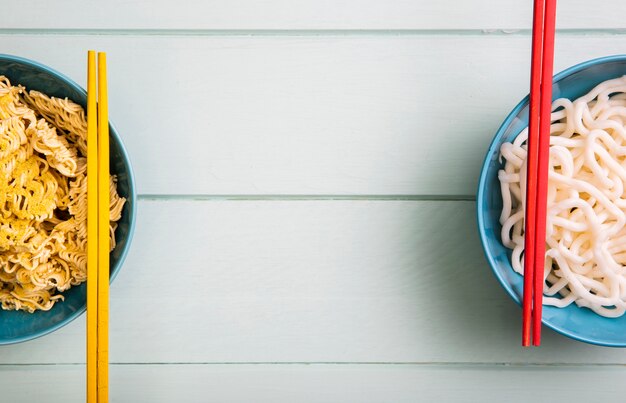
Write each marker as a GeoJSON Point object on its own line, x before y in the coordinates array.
{"type": "Point", "coordinates": [542, 171]}
{"type": "Point", "coordinates": [531, 174]}
{"type": "Point", "coordinates": [544, 13]}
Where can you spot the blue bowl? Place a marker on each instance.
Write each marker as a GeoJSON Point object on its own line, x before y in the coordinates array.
{"type": "Point", "coordinates": [18, 326]}
{"type": "Point", "coordinates": [578, 323]}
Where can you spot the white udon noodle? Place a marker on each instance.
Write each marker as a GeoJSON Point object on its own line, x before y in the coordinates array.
{"type": "Point", "coordinates": [43, 203]}
{"type": "Point", "coordinates": [586, 219]}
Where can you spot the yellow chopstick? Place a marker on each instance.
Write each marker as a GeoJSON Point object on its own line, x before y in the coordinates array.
{"type": "Point", "coordinates": [103, 231]}
{"type": "Point", "coordinates": [98, 243]}
{"type": "Point", "coordinates": [92, 230]}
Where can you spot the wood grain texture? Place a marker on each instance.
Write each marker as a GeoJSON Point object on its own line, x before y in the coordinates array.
{"type": "Point", "coordinates": [306, 14]}
{"type": "Point", "coordinates": [225, 300]}
{"type": "Point", "coordinates": [319, 383]}
{"type": "Point", "coordinates": [309, 115]}
{"type": "Point", "coordinates": [308, 281]}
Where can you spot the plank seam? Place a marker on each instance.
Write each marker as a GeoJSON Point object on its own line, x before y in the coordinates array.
{"type": "Point", "coordinates": [278, 197]}
{"type": "Point", "coordinates": [323, 363]}
{"type": "Point", "coordinates": [304, 32]}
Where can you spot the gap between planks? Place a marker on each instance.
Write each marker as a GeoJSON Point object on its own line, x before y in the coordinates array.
{"type": "Point", "coordinates": [305, 32]}
{"type": "Point", "coordinates": [321, 363]}
{"type": "Point", "coordinates": [287, 197]}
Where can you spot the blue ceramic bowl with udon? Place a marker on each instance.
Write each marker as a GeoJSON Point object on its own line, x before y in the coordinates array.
{"type": "Point", "coordinates": [18, 326]}
{"type": "Point", "coordinates": [578, 323]}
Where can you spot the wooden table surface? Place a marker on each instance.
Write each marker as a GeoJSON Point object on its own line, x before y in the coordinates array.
{"type": "Point", "coordinates": [306, 172]}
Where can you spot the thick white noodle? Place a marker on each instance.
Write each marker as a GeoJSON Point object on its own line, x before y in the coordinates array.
{"type": "Point", "coordinates": [586, 219]}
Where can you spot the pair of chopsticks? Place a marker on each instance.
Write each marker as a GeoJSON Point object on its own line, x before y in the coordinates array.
{"type": "Point", "coordinates": [544, 15]}
{"type": "Point", "coordinates": [98, 243]}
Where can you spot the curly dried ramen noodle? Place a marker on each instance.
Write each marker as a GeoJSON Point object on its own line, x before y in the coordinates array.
{"type": "Point", "coordinates": [586, 218]}
{"type": "Point", "coordinates": [43, 198]}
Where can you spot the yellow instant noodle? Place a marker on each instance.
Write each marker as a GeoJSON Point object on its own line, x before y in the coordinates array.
{"type": "Point", "coordinates": [43, 198]}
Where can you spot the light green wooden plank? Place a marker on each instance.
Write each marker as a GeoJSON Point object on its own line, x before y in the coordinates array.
{"type": "Point", "coordinates": [309, 281]}
{"type": "Point", "coordinates": [320, 383]}
{"type": "Point", "coordinates": [363, 115]}
{"type": "Point", "coordinates": [306, 14]}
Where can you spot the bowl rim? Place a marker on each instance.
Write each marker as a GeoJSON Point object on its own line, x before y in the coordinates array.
{"type": "Point", "coordinates": [480, 195]}
{"type": "Point", "coordinates": [132, 197]}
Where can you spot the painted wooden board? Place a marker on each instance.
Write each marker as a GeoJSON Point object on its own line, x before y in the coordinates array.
{"type": "Point", "coordinates": [308, 281]}
{"type": "Point", "coordinates": [320, 383]}
{"type": "Point", "coordinates": [306, 14]}
{"type": "Point", "coordinates": [308, 115]}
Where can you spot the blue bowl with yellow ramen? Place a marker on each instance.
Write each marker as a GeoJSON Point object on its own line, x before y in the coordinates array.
{"type": "Point", "coordinates": [19, 326]}
{"type": "Point", "coordinates": [578, 323]}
